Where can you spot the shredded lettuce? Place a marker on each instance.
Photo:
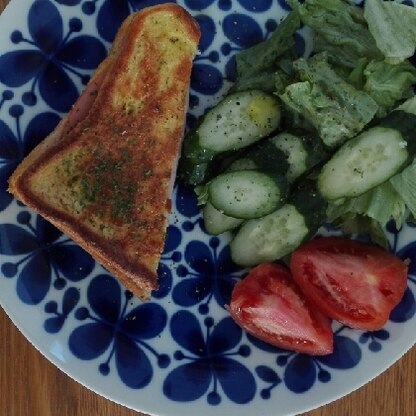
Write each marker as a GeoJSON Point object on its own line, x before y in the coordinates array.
{"type": "Point", "coordinates": [343, 58]}
{"type": "Point", "coordinates": [334, 107]}
{"type": "Point", "coordinates": [285, 73]}
{"type": "Point", "coordinates": [281, 81]}
{"type": "Point", "coordinates": [393, 26]}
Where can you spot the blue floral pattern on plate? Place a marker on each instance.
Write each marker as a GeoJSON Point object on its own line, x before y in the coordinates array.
{"type": "Point", "coordinates": [181, 347]}
{"type": "Point", "coordinates": [52, 56]}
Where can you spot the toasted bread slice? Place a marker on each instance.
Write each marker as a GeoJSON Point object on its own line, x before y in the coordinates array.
{"type": "Point", "coordinates": [104, 176]}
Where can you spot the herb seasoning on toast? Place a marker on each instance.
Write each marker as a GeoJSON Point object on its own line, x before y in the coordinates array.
{"type": "Point", "coordinates": [104, 176]}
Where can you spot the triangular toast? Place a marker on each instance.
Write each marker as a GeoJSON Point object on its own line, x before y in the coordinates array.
{"type": "Point", "coordinates": [104, 176]}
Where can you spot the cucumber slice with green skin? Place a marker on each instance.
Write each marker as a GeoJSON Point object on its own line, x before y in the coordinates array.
{"type": "Point", "coordinates": [247, 193]}
{"type": "Point", "coordinates": [267, 157]}
{"type": "Point", "coordinates": [303, 152]}
{"type": "Point", "coordinates": [362, 163]}
{"type": "Point", "coordinates": [285, 153]}
{"type": "Point", "coordinates": [372, 157]}
{"type": "Point", "coordinates": [239, 120]}
{"type": "Point", "coordinates": [276, 235]}
{"type": "Point", "coordinates": [197, 165]}
{"type": "Point", "coordinates": [295, 152]}
{"type": "Point", "coordinates": [310, 203]}
{"type": "Point", "coordinates": [243, 163]}
{"type": "Point", "coordinates": [236, 122]}
{"type": "Point", "coordinates": [269, 238]}
{"type": "Point", "coordinates": [216, 222]}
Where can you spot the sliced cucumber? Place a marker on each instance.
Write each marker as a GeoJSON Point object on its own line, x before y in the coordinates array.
{"type": "Point", "coordinates": [275, 235]}
{"type": "Point", "coordinates": [269, 238]}
{"type": "Point", "coordinates": [244, 163]}
{"type": "Point", "coordinates": [239, 120]}
{"type": "Point", "coordinates": [296, 154]}
{"type": "Point", "coordinates": [267, 157]}
{"type": "Point", "coordinates": [372, 157]}
{"type": "Point", "coordinates": [247, 193]}
{"type": "Point", "coordinates": [216, 222]}
{"type": "Point", "coordinates": [362, 163]}
{"type": "Point", "coordinates": [235, 123]}
{"type": "Point", "coordinates": [310, 203]}
{"type": "Point", "coordinates": [286, 154]}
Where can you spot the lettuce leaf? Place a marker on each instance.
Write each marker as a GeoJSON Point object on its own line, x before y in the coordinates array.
{"type": "Point", "coordinates": [370, 212]}
{"type": "Point", "coordinates": [336, 109]}
{"type": "Point", "coordinates": [387, 83]}
{"type": "Point", "coordinates": [269, 80]}
{"type": "Point", "coordinates": [202, 193]}
{"type": "Point", "coordinates": [356, 76]}
{"type": "Point", "coordinates": [380, 203]}
{"type": "Point", "coordinates": [264, 81]}
{"type": "Point", "coordinates": [404, 184]}
{"type": "Point", "coordinates": [343, 59]}
{"type": "Point", "coordinates": [256, 66]}
{"type": "Point", "coordinates": [340, 29]}
{"type": "Point", "coordinates": [355, 224]}
{"type": "Point", "coordinates": [393, 26]}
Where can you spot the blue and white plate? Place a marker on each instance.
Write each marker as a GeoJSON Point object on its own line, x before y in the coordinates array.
{"type": "Point", "coordinates": [180, 352]}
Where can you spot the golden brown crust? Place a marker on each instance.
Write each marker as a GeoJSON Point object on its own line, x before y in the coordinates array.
{"type": "Point", "coordinates": [103, 176]}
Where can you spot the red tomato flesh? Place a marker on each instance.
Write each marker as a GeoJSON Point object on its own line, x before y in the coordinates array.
{"type": "Point", "coordinates": [352, 282]}
{"type": "Point", "coordinates": [268, 304]}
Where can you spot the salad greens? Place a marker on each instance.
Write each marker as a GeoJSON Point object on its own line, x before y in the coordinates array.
{"type": "Point", "coordinates": [393, 26]}
{"type": "Point", "coordinates": [334, 107]}
{"type": "Point", "coordinates": [380, 204]}
{"type": "Point", "coordinates": [357, 73]}
{"type": "Point", "coordinates": [339, 29]}
{"type": "Point", "coordinates": [388, 83]}
{"type": "Point", "coordinates": [405, 186]}
{"type": "Point", "coordinates": [258, 66]}
{"type": "Point", "coordinates": [364, 60]}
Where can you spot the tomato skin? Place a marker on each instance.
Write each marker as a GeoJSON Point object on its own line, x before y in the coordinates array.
{"type": "Point", "coordinates": [269, 305]}
{"type": "Point", "coordinates": [352, 282]}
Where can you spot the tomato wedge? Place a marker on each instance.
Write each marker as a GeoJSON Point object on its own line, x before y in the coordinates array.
{"type": "Point", "coordinates": [268, 304]}
{"type": "Point", "coordinates": [352, 282]}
